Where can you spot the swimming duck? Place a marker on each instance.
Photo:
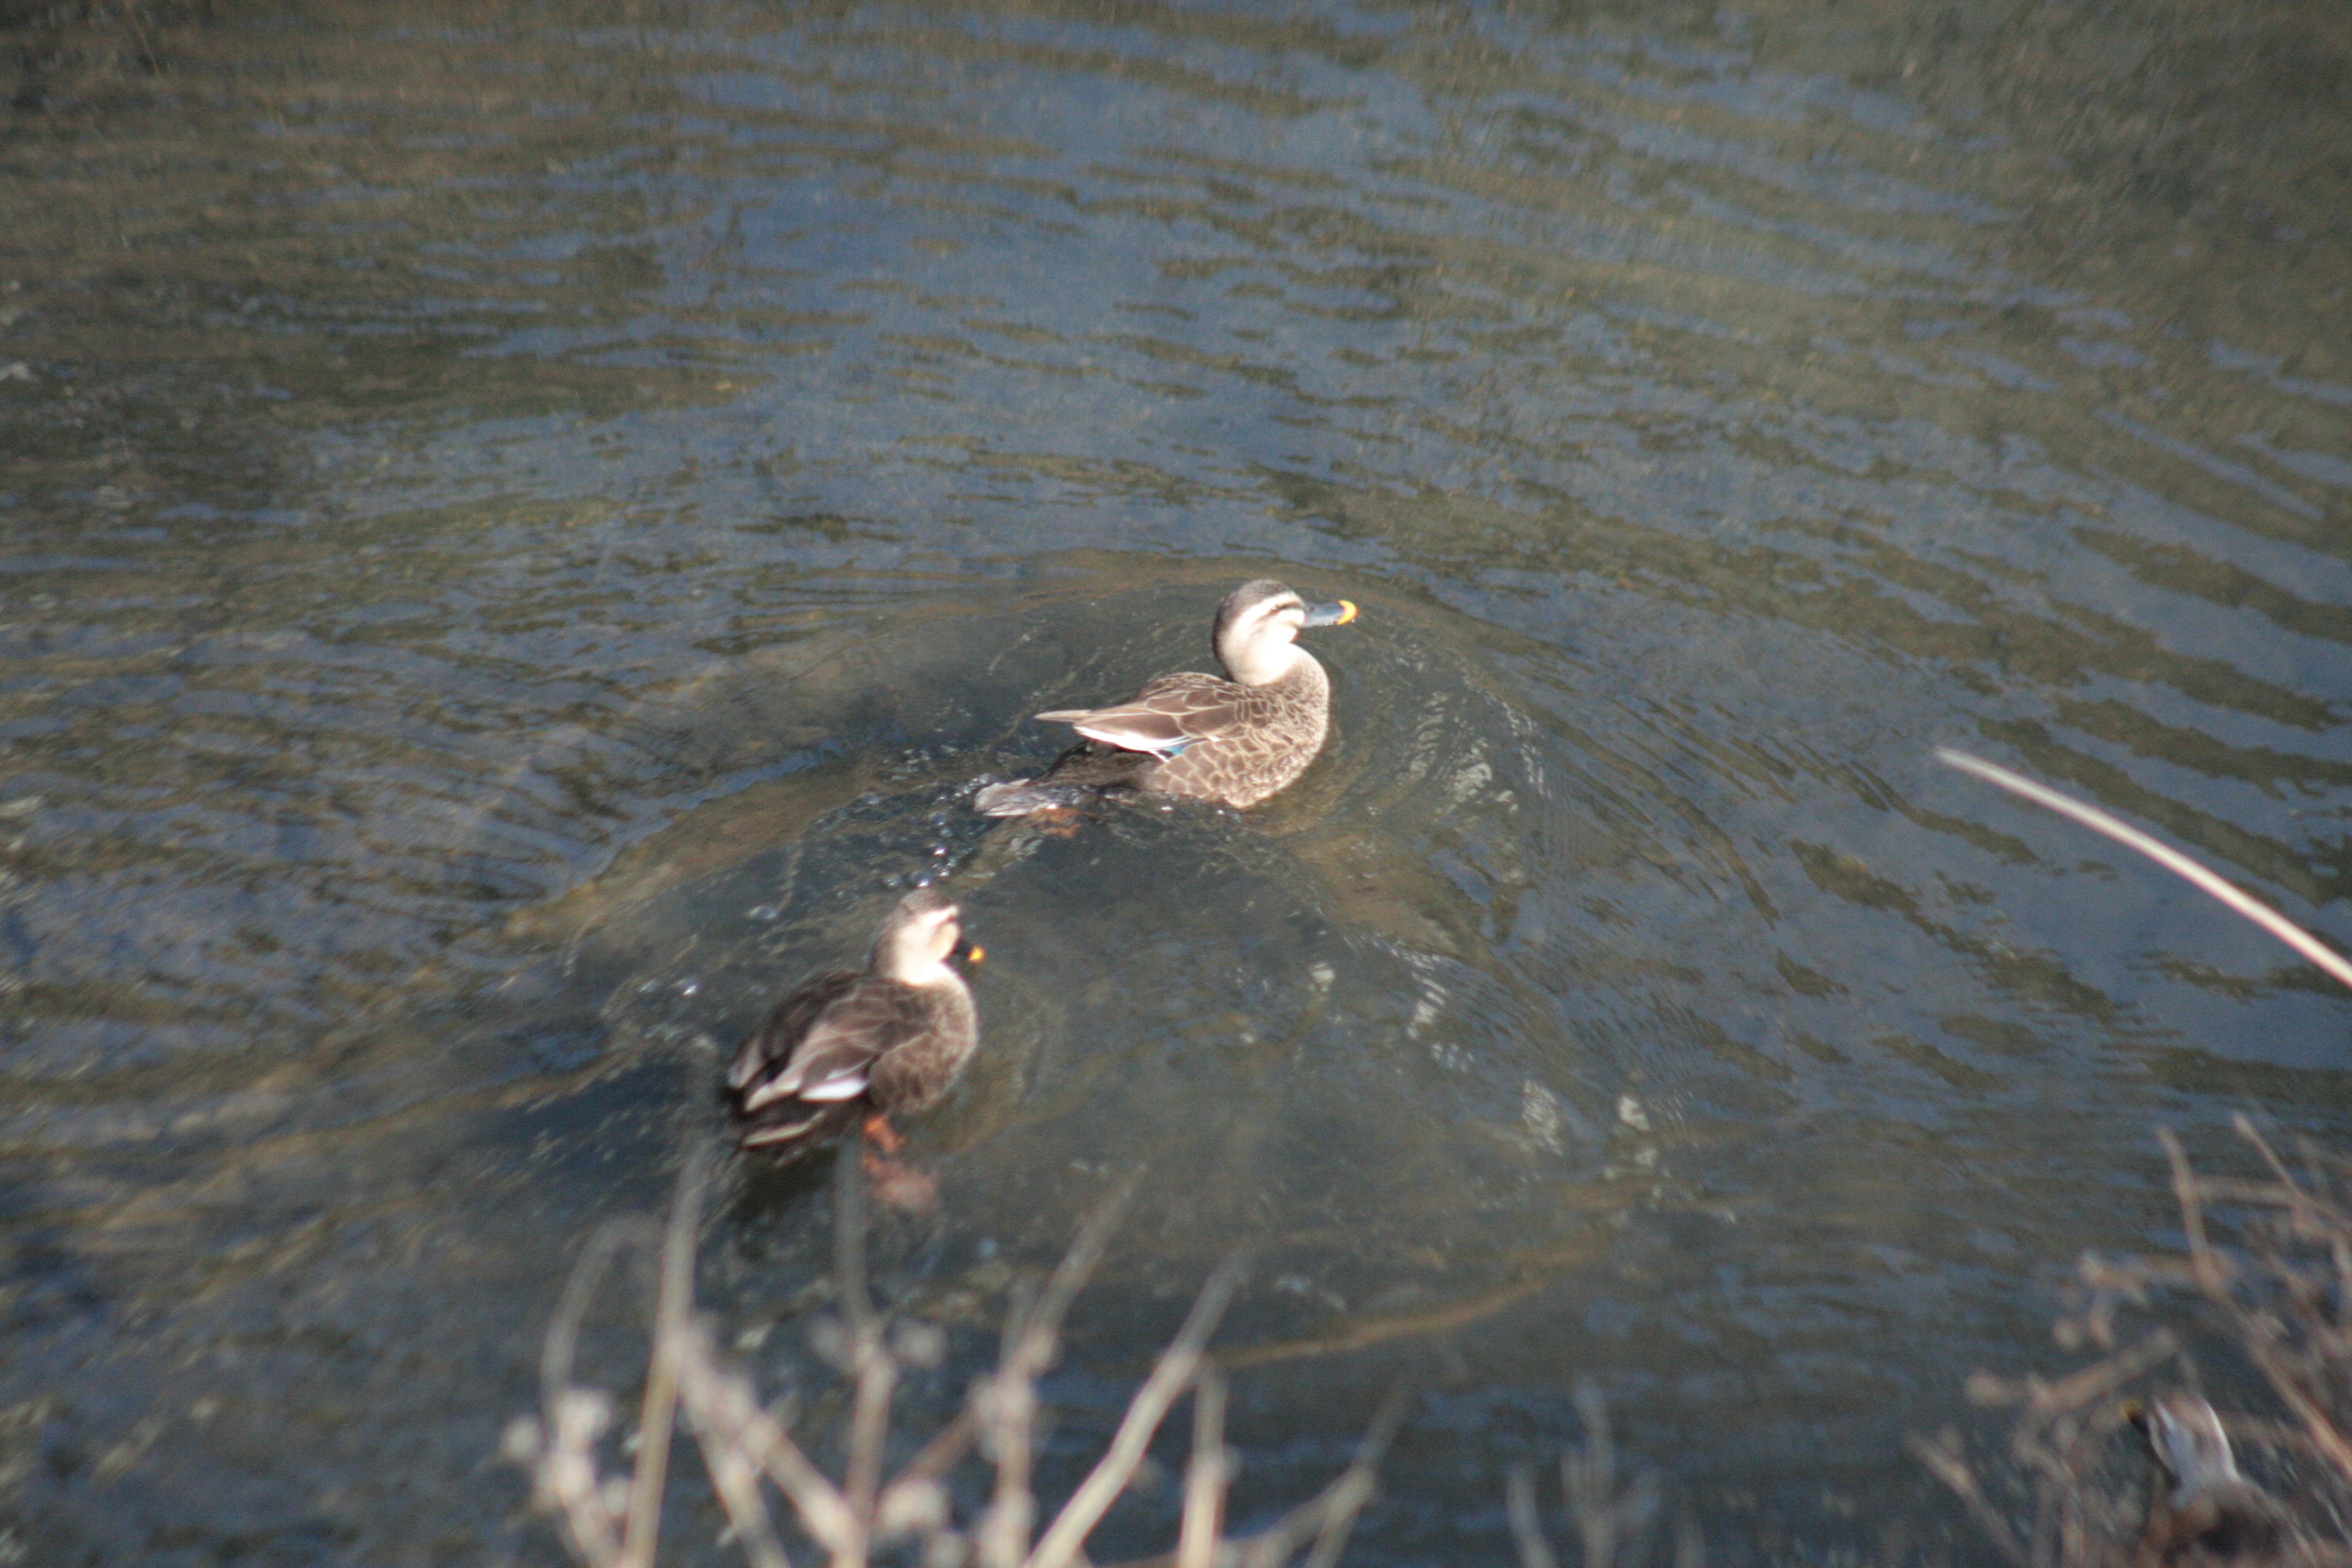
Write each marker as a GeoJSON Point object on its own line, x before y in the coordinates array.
{"type": "Point", "coordinates": [2204, 1512]}
{"type": "Point", "coordinates": [1235, 739]}
{"type": "Point", "coordinates": [844, 1044]}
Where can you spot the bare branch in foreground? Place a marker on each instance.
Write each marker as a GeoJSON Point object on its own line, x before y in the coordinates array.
{"type": "Point", "coordinates": [1526, 1530]}
{"type": "Point", "coordinates": [1149, 1407]}
{"type": "Point", "coordinates": [1006, 1404]}
{"type": "Point", "coordinates": [1207, 1477]}
{"type": "Point", "coordinates": [871, 1367]}
{"type": "Point", "coordinates": [675, 1301]}
{"type": "Point", "coordinates": [613, 1521]}
{"type": "Point", "coordinates": [1612, 1525]}
{"type": "Point", "coordinates": [2271, 1260]}
{"type": "Point", "coordinates": [1333, 1508]}
{"type": "Point", "coordinates": [2163, 854]}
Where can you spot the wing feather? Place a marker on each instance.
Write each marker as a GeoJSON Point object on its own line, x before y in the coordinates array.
{"type": "Point", "coordinates": [787, 1024]}
{"type": "Point", "coordinates": [1171, 713]}
{"type": "Point", "coordinates": [835, 1060]}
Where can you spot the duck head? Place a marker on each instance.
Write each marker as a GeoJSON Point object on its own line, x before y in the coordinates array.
{"type": "Point", "coordinates": [1259, 621]}
{"type": "Point", "coordinates": [918, 936]}
{"type": "Point", "coordinates": [2186, 1437]}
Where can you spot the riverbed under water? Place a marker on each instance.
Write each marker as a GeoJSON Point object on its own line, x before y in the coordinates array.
{"type": "Point", "coordinates": [523, 525]}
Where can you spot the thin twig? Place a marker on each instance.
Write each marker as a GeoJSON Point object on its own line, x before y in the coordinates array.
{"type": "Point", "coordinates": [875, 1370]}
{"type": "Point", "coordinates": [1690, 1543]}
{"type": "Point", "coordinates": [657, 1415]}
{"type": "Point", "coordinates": [2042, 1399]}
{"type": "Point", "coordinates": [1207, 1477]}
{"type": "Point", "coordinates": [2243, 1126]}
{"type": "Point", "coordinates": [733, 1475]}
{"type": "Point", "coordinates": [2211, 1273]}
{"type": "Point", "coordinates": [1589, 1477]}
{"type": "Point", "coordinates": [1357, 1484]}
{"type": "Point", "coordinates": [562, 1450]}
{"type": "Point", "coordinates": [1341, 1499]}
{"type": "Point", "coordinates": [823, 1512]}
{"type": "Point", "coordinates": [556, 1353]}
{"type": "Point", "coordinates": [2163, 854]}
{"type": "Point", "coordinates": [1042, 1326]}
{"type": "Point", "coordinates": [1170, 1377]}
{"type": "Point", "coordinates": [1006, 1403]}
{"type": "Point", "coordinates": [849, 1232]}
{"type": "Point", "coordinates": [1008, 1413]}
{"type": "Point", "coordinates": [941, 1454]}
{"type": "Point", "coordinates": [1526, 1530]}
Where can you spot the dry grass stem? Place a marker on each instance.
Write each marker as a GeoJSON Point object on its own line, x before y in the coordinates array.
{"type": "Point", "coordinates": [1612, 1526]}
{"type": "Point", "coordinates": [1207, 1477]}
{"type": "Point", "coordinates": [873, 1368]}
{"type": "Point", "coordinates": [1526, 1530]}
{"type": "Point", "coordinates": [1948, 1464]}
{"type": "Point", "coordinates": [614, 1521]}
{"type": "Point", "coordinates": [643, 1522]}
{"type": "Point", "coordinates": [1170, 1377]}
{"type": "Point", "coordinates": [1331, 1511]}
{"type": "Point", "coordinates": [2269, 1260]}
{"type": "Point", "coordinates": [2163, 854]}
{"type": "Point", "coordinates": [1345, 1498]}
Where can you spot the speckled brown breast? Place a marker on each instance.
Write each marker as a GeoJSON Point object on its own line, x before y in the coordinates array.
{"type": "Point", "coordinates": [914, 1074]}
{"type": "Point", "coordinates": [1282, 730]}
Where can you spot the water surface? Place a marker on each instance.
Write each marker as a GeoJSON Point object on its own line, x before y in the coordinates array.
{"type": "Point", "coordinates": [520, 535]}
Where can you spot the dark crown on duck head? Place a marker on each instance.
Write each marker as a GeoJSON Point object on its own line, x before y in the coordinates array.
{"type": "Point", "coordinates": [916, 906]}
{"type": "Point", "coordinates": [1247, 597]}
{"type": "Point", "coordinates": [911, 907]}
{"type": "Point", "coordinates": [921, 902]}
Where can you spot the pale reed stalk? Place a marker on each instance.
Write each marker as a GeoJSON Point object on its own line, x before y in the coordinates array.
{"type": "Point", "coordinates": [2163, 854]}
{"type": "Point", "coordinates": [615, 1522]}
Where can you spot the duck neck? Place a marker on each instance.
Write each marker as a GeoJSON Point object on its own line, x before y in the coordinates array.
{"type": "Point", "coordinates": [907, 964]}
{"type": "Point", "coordinates": [1257, 664]}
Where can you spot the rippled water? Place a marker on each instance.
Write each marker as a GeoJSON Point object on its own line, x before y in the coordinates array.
{"type": "Point", "coordinates": [517, 534]}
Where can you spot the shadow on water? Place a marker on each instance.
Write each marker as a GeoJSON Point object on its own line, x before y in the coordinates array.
{"type": "Point", "coordinates": [525, 531]}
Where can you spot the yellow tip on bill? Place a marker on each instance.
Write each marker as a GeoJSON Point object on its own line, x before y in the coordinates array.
{"type": "Point", "coordinates": [1346, 611]}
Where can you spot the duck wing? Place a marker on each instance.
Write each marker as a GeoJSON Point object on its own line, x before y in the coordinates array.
{"type": "Point", "coordinates": [1171, 713]}
{"type": "Point", "coordinates": [835, 1061]}
{"type": "Point", "coordinates": [787, 1024]}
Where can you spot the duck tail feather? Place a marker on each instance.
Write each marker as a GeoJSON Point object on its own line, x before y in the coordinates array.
{"type": "Point", "coordinates": [800, 1131]}
{"type": "Point", "coordinates": [1019, 798]}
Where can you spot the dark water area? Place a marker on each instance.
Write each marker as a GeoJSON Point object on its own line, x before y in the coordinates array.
{"type": "Point", "coordinates": [521, 525]}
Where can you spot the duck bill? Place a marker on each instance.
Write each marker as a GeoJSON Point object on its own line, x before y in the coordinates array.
{"type": "Point", "coordinates": [1337, 615]}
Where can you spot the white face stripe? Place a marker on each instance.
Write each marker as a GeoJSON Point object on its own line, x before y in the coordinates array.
{"type": "Point", "coordinates": [1259, 613]}
{"type": "Point", "coordinates": [915, 950]}
{"type": "Point", "coordinates": [1260, 642]}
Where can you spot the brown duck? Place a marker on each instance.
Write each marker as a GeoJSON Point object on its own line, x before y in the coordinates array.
{"type": "Point", "coordinates": [1235, 739]}
{"type": "Point", "coordinates": [2203, 1513]}
{"type": "Point", "coordinates": [844, 1045]}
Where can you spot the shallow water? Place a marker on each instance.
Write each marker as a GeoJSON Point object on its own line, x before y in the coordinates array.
{"type": "Point", "coordinates": [517, 536]}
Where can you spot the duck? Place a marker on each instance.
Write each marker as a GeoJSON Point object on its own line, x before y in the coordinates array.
{"type": "Point", "coordinates": [846, 1044]}
{"type": "Point", "coordinates": [2203, 1513]}
{"type": "Point", "coordinates": [1235, 739]}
